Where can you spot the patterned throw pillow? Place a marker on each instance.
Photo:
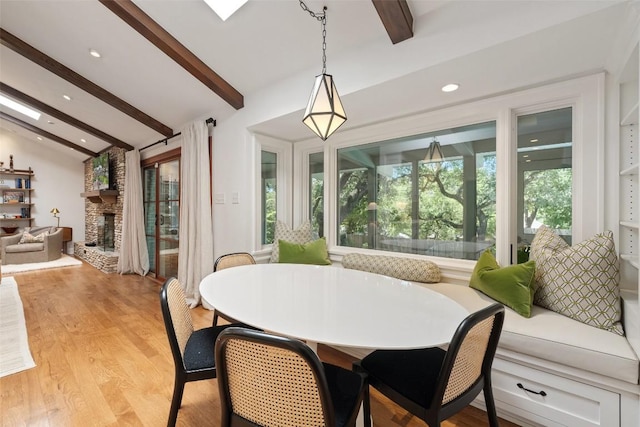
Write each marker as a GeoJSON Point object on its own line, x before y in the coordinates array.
{"type": "Point", "coordinates": [27, 237]}
{"type": "Point", "coordinates": [302, 235]}
{"type": "Point", "coordinates": [580, 281]}
{"type": "Point", "coordinates": [412, 270]}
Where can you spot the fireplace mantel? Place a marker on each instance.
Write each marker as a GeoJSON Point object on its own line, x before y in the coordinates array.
{"type": "Point", "coordinates": [101, 196]}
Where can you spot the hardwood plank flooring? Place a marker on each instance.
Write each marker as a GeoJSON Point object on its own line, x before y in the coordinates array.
{"type": "Point", "coordinates": [103, 359]}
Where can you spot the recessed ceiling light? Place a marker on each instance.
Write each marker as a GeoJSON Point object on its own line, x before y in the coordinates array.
{"type": "Point", "coordinates": [525, 156]}
{"type": "Point", "coordinates": [528, 160]}
{"type": "Point", "coordinates": [50, 122]}
{"type": "Point", "coordinates": [225, 8]}
{"type": "Point", "coordinates": [67, 97]}
{"type": "Point", "coordinates": [83, 140]}
{"type": "Point", "coordinates": [533, 141]}
{"type": "Point", "coordinates": [450, 87]}
{"type": "Point", "coordinates": [19, 108]}
{"type": "Point", "coordinates": [39, 138]}
{"type": "Point", "coordinates": [94, 53]}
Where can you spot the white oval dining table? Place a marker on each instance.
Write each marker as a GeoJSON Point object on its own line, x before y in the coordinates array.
{"type": "Point", "coordinates": [334, 305]}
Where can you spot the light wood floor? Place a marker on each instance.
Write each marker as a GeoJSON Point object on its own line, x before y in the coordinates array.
{"type": "Point", "coordinates": [103, 359]}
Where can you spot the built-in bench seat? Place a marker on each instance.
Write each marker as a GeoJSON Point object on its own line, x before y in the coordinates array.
{"type": "Point", "coordinates": [547, 352]}
{"type": "Point", "coordinates": [554, 337]}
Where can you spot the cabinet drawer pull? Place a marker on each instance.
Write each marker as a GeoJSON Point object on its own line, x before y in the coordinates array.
{"type": "Point", "coordinates": [541, 392]}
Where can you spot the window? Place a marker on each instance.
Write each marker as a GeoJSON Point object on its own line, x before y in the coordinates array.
{"type": "Point", "coordinates": [493, 188]}
{"type": "Point", "coordinates": [274, 192]}
{"type": "Point", "coordinates": [316, 192]}
{"type": "Point", "coordinates": [269, 195]}
{"type": "Point", "coordinates": [393, 197]}
{"type": "Point", "coordinates": [544, 175]}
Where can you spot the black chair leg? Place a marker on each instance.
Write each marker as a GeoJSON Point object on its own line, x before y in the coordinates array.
{"type": "Point", "coordinates": [215, 319]}
{"type": "Point", "coordinates": [366, 405]}
{"type": "Point", "coordinates": [176, 401]}
{"type": "Point", "coordinates": [490, 404]}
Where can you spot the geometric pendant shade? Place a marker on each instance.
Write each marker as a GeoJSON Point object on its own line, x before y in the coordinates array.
{"type": "Point", "coordinates": [324, 113]}
{"type": "Point", "coordinates": [434, 152]}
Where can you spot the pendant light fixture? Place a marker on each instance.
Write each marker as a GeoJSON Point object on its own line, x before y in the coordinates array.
{"type": "Point", "coordinates": [324, 113]}
{"type": "Point", "coordinates": [434, 152]}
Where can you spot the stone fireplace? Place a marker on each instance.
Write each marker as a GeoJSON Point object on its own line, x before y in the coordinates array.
{"type": "Point", "coordinates": [103, 215]}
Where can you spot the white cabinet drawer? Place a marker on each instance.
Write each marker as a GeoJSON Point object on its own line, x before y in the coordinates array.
{"type": "Point", "coordinates": [551, 400]}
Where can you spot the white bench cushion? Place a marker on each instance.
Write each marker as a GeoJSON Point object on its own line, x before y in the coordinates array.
{"type": "Point", "coordinates": [551, 336]}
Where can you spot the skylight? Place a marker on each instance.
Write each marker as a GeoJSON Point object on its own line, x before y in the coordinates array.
{"type": "Point", "coordinates": [19, 108]}
{"type": "Point", "coordinates": [225, 8]}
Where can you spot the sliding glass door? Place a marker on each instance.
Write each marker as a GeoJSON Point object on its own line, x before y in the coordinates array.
{"type": "Point", "coordinates": [162, 215]}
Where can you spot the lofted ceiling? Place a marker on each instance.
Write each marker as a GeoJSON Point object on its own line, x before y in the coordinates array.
{"type": "Point", "coordinates": [138, 93]}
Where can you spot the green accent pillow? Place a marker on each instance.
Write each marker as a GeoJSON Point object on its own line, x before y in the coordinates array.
{"type": "Point", "coordinates": [314, 252]}
{"type": "Point", "coordinates": [513, 285]}
{"type": "Point", "coordinates": [302, 234]}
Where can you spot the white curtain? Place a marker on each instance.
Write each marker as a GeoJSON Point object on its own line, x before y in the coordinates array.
{"type": "Point", "coordinates": [134, 257]}
{"type": "Point", "coordinates": [195, 256]}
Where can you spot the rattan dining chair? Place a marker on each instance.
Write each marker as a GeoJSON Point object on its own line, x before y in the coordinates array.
{"type": "Point", "coordinates": [192, 349]}
{"type": "Point", "coordinates": [433, 384]}
{"type": "Point", "coordinates": [271, 380]}
{"type": "Point", "coordinates": [235, 259]}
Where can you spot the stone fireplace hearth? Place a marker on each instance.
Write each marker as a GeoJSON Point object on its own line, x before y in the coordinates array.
{"type": "Point", "coordinates": [107, 262]}
{"type": "Point", "coordinates": [103, 217]}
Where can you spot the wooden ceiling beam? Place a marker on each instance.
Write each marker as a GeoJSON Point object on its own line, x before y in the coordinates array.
{"type": "Point", "coordinates": [44, 108]}
{"type": "Point", "coordinates": [44, 133]}
{"type": "Point", "coordinates": [14, 43]}
{"type": "Point", "coordinates": [156, 34]}
{"type": "Point", "coordinates": [396, 18]}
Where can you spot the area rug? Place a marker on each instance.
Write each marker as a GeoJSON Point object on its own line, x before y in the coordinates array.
{"type": "Point", "coordinates": [64, 261]}
{"type": "Point", "coordinates": [14, 344]}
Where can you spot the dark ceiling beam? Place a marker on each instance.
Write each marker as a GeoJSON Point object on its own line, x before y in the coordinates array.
{"type": "Point", "coordinates": [396, 18]}
{"type": "Point", "coordinates": [152, 31]}
{"type": "Point", "coordinates": [50, 64]}
{"type": "Point", "coordinates": [44, 133]}
{"type": "Point", "coordinates": [44, 108]}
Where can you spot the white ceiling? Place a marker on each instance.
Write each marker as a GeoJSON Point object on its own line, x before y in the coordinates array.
{"type": "Point", "coordinates": [486, 46]}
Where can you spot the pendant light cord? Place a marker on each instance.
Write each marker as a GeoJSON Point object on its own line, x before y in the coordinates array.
{"type": "Point", "coordinates": [322, 17]}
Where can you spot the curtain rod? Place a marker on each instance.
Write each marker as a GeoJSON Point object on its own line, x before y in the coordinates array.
{"type": "Point", "coordinates": [166, 140]}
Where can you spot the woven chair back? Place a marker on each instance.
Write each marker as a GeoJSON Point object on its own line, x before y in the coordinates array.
{"type": "Point", "coordinates": [180, 314]}
{"type": "Point", "coordinates": [233, 260]}
{"type": "Point", "coordinates": [467, 367]}
{"type": "Point", "coordinates": [271, 386]}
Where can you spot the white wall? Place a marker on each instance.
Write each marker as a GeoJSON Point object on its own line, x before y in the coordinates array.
{"type": "Point", "coordinates": [233, 171]}
{"type": "Point", "coordinates": [57, 182]}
